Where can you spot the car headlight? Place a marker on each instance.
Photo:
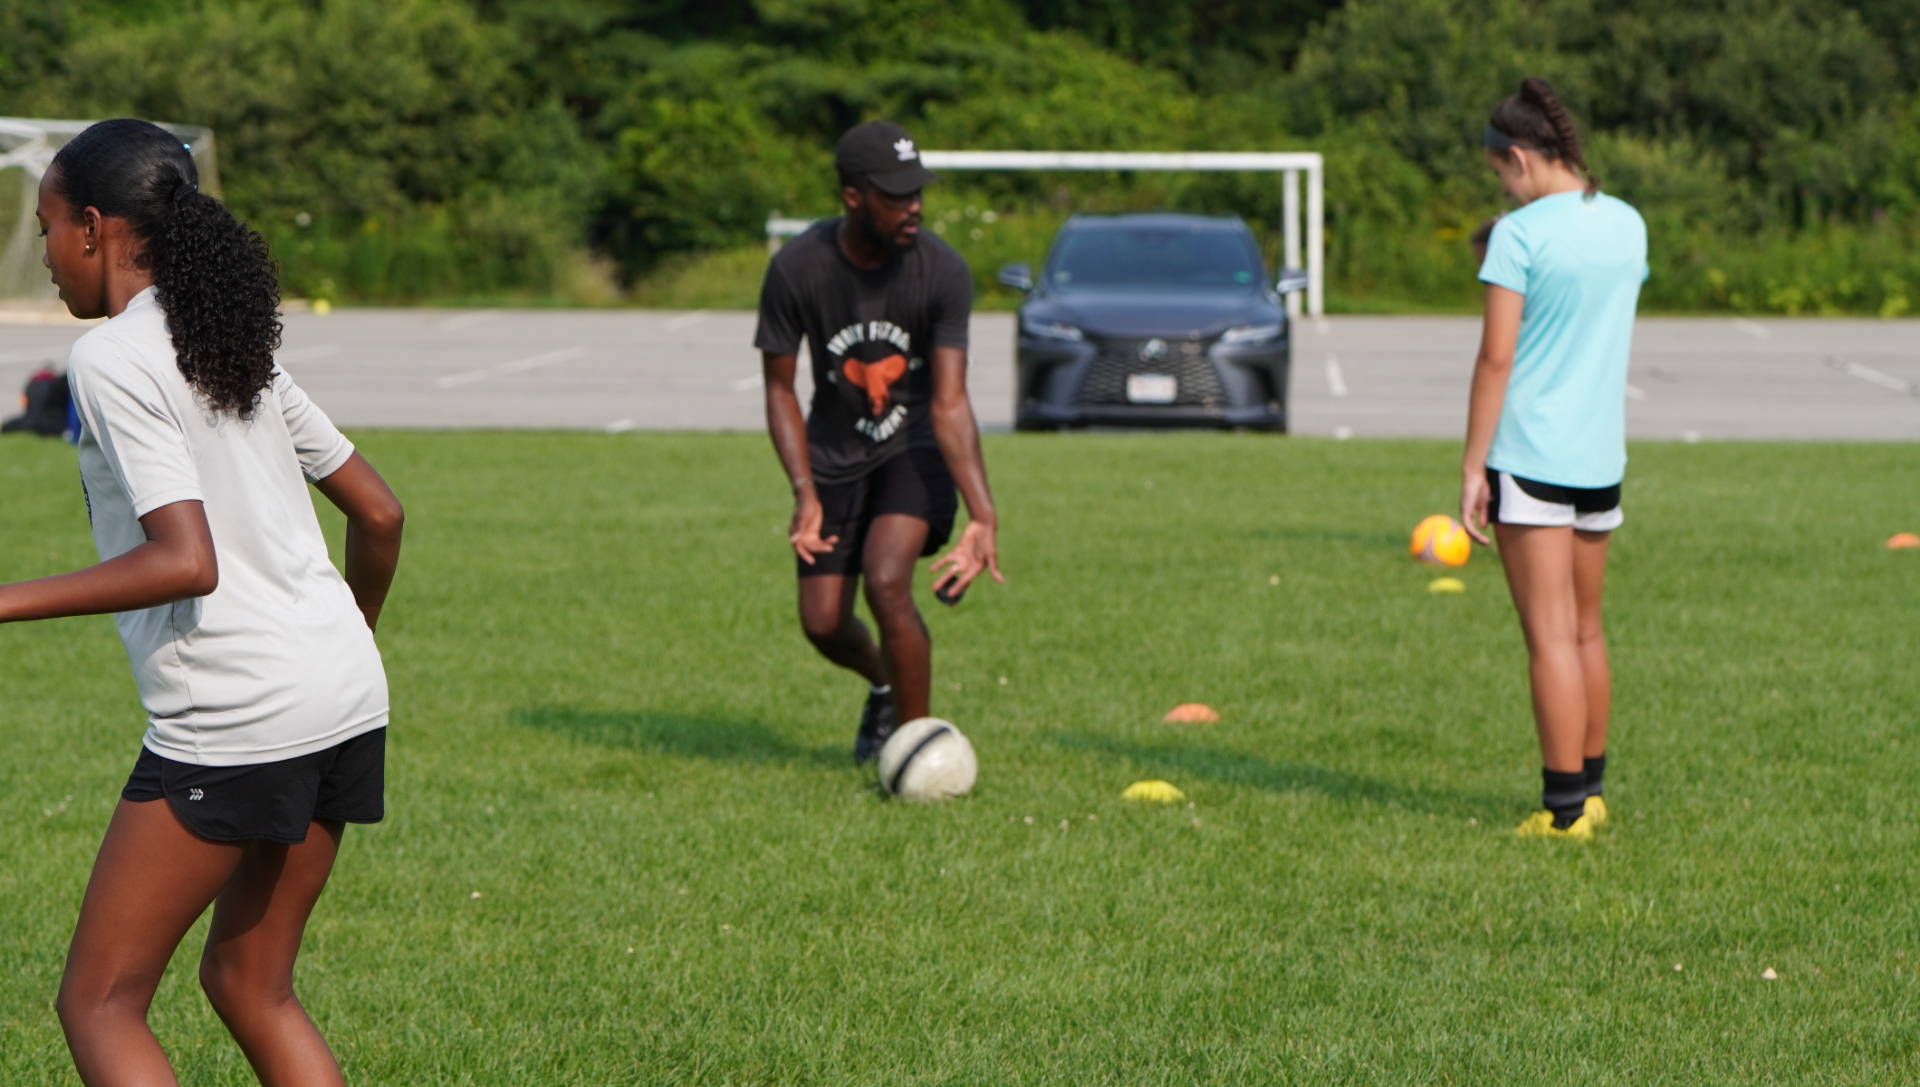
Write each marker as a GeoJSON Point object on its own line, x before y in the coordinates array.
{"type": "Point", "coordinates": [1251, 334]}
{"type": "Point", "coordinates": [1051, 330]}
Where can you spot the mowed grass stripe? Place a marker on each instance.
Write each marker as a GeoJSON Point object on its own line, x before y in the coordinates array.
{"type": "Point", "coordinates": [608, 724]}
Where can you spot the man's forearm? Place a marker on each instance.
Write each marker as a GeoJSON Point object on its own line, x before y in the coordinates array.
{"type": "Point", "coordinates": [788, 429]}
{"type": "Point", "coordinates": [959, 440]}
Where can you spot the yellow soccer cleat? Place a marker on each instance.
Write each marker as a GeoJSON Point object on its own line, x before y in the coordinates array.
{"type": "Point", "coordinates": [1597, 811]}
{"type": "Point", "coordinates": [1540, 825]}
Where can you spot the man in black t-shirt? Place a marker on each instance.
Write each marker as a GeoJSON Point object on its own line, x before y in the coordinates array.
{"type": "Point", "coordinates": [891, 436]}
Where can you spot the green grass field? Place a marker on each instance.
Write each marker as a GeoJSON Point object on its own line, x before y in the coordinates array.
{"type": "Point", "coordinates": [608, 727]}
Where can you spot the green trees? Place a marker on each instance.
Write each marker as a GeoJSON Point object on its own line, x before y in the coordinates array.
{"type": "Point", "coordinates": [387, 148]}
{"type": "Point", "coordinates": [1761, 139]}
{"type": "Point", "coordinates": [399, 149]}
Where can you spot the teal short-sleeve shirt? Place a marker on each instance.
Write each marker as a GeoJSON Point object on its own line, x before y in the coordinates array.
{"type": "Point", "coordinates": [1580, 263]}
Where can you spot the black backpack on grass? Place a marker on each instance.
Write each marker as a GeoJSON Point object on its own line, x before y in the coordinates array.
{"type": "Point", "coordinates": [46, 401]}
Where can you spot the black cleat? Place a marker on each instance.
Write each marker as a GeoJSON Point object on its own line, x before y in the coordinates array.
{"type": "Point", "coordinates": [876, 724]}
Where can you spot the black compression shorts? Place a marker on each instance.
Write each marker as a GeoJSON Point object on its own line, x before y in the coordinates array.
{"type": "Point", "coordinates": [916, 483]}
{"type": "Point", "coordinates": [273, 801]}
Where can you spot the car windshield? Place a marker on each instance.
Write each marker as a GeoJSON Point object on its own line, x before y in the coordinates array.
{"type": "Point", "coordinates": [1157, 256]}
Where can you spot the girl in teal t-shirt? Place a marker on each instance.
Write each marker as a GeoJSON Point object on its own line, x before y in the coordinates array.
{"type": "Point", "coordinates": [1546, 442]}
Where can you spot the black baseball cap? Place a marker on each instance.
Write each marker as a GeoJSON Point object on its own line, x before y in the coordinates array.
{"type": "Point", "coordinates": [885, 155]}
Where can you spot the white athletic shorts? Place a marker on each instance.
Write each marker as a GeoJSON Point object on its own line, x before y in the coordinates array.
{"type": "Point", "coordinates": [1517, 501]}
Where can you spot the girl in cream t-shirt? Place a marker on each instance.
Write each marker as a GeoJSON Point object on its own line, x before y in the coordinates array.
{"type": "Point", "coordinates": [265, 698]}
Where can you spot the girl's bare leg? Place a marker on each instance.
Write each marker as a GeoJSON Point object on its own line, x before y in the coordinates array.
{"type": "Point", "coordinates": [247, 968]}
{"type": "Point", "coordinates": [1539, 562]}
{"type": "Point", "coordinates": [1589, 575]}
{"type": "Point", "coordinates": [151, 881]}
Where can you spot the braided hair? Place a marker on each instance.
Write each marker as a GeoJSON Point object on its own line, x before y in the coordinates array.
{"type": "Point", "coordinates": [1535, 119]}
{"type": "Point", "coordinates": [212, 274]}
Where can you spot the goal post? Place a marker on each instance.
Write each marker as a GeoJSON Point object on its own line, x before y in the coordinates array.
{"type": "Point", "coordinates": [1289, 164]}
{"type": "Point", "coordinates": [27, 147]}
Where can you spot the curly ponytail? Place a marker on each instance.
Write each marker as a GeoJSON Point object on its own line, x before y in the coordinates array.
{"type": "Point", "coordinates": [212, 274]}
{"type": "Point", "coordinates": [1535, 119]}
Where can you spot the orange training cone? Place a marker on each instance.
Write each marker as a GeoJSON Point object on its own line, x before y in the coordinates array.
{"type": "Point", "coordinates": [1191, 713]}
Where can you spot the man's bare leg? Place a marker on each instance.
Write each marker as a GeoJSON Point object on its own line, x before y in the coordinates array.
{"type": "Point", "coordinates": [826, 614]}
{"type": "Point", "coordinates": [893, 547]}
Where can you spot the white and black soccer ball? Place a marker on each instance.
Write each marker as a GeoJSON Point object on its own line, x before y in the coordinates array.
{"type": "Point", "coordinates": [927, 759]}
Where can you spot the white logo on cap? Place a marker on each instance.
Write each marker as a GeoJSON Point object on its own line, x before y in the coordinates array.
{"type": "Point", "coordinates": [904, 148]}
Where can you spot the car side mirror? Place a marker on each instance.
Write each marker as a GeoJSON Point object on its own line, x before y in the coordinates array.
{"type": "Point", "coordinates": [1291, 280]}
{"type": "Point", "coordinates": [1018, 276]}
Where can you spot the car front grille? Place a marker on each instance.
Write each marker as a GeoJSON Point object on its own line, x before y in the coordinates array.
{"type": "Point", "coordinates": [1118, 358]}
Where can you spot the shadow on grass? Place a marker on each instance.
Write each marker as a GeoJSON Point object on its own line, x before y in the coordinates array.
{"type": "Point", "coordinates": [719, 739]}
{"type": "Point", "coordinates": [1239, 768]}
{"type": "Point", "coordinates": [1312, 535]}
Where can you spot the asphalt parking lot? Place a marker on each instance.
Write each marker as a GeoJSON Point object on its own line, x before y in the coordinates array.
{"type": "Point", "coordinates": [1692, 378]}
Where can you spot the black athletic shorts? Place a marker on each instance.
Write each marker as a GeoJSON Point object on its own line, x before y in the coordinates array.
{"type": "Point", "coordinates": [916, 483]}
{"type": "Point", "coordinates": [1516, 501]}
{"type": "Point", "coordinates": [274, 801]}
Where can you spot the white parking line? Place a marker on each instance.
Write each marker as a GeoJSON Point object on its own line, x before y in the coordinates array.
{"type": "Point", "coordinates": [686, 320]}
{"type": "Point", "coordinates": [517, 366]}
{"type": "Point", "coordinates": [1336, 381]}
{"type": "Point", "coordinates": [746, 383]}
{"type": "Point", "coordinates": [1874, 377]}
{"type": "Point", "coordinates": [1635, 392]}
{"type": "Point", "coordinates": [1758, 332]}
{"type": "Point", "coordinates": [36, 354]}
{"type": "Point", "coordinates": [468, 320]}
{"type": "Point", "coordinates": [307, 354]}
{"type": "Point", "coordinates": [620, 426]}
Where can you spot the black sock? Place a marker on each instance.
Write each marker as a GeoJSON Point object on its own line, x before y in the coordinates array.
{"type": "Point", "coordinates": [1596, 768]}
{"type": "Point", "coordinates": [1563, 794]}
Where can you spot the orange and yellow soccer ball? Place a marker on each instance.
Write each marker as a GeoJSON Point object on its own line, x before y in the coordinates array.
{"type": "Point", "coordinates": [1441, 541]}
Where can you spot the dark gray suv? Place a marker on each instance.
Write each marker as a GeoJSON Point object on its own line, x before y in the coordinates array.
{"type": "Point", "coordinates": [1152, 320]}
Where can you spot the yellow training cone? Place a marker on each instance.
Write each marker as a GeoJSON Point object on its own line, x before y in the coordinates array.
{"type": "Point", "coordinates": [1160, 792]}
{"type": "Point", "coordinates": [1447, 585]}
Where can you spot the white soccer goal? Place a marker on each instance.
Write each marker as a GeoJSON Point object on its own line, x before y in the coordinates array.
{"type": "Point", "coordinates": [1289, 164]}
{"type": "Point", "coordinates": [27, 147]}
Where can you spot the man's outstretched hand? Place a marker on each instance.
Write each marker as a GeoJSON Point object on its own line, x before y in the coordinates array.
{"type": "Point", "coordinates": [975, 553]}
{"type": "Point", "coordinates": [804, 532]}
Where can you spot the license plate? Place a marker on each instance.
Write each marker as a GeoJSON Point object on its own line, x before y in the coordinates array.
{"type": "Point", "coordinates": [1152, 389]}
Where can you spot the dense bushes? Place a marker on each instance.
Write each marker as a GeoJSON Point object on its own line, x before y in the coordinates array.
{"type": "Point", "coordinates": [397, 149]}
{"type": "Point", "coordinates": [387, 148]}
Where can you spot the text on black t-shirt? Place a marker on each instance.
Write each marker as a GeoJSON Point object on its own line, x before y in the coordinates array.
{"type": "Point", "coordinates": [871, 335]}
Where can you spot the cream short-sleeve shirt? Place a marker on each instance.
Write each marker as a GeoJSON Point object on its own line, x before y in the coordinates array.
{"type": "Point", "coordinates": [276, 662]}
